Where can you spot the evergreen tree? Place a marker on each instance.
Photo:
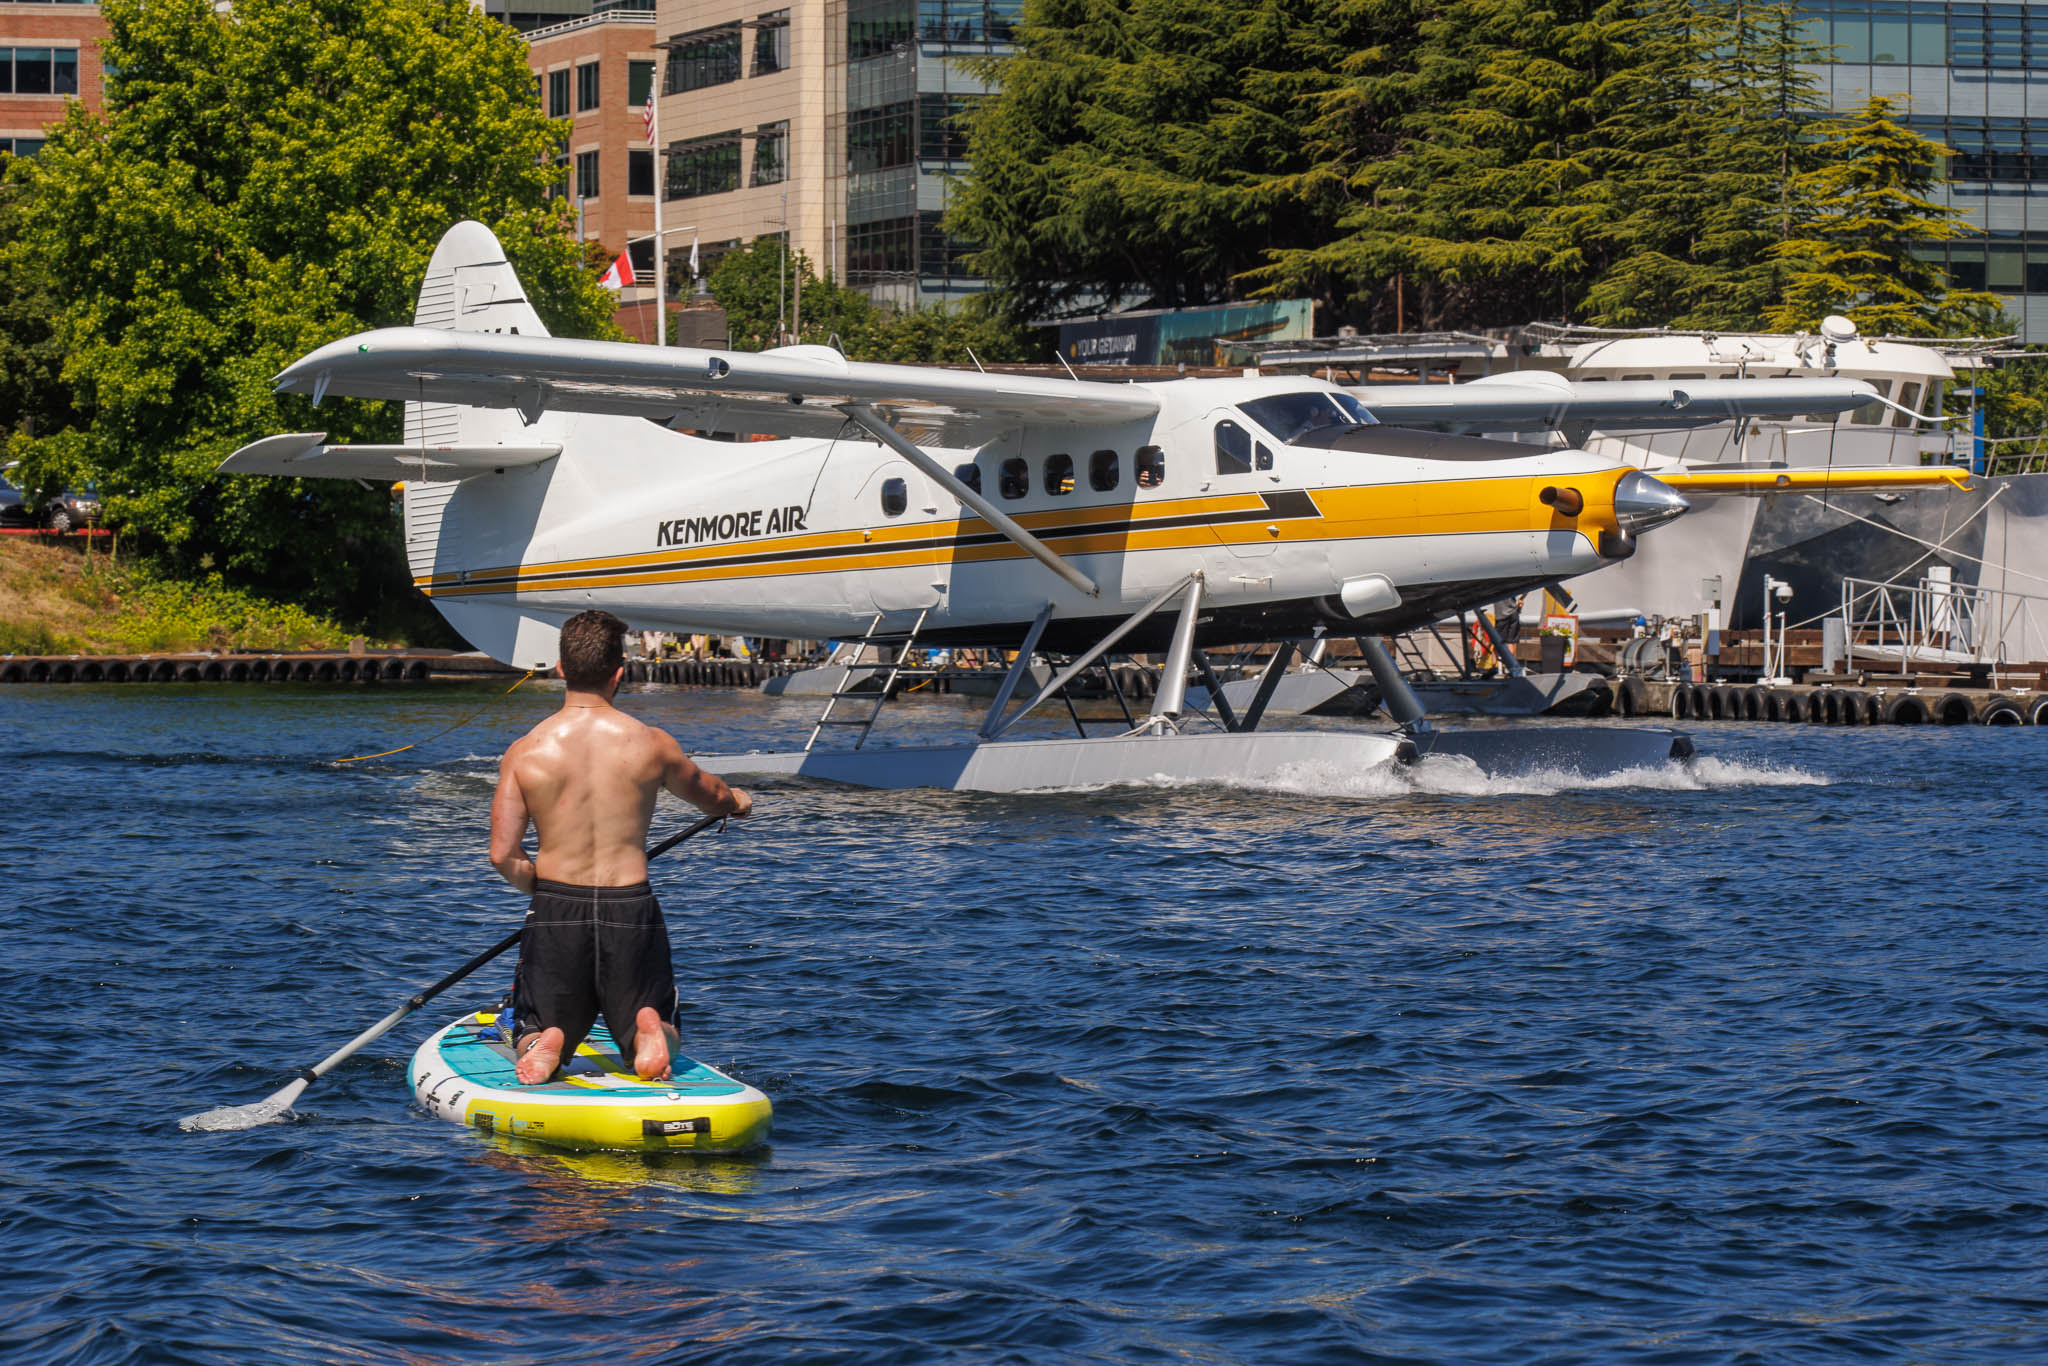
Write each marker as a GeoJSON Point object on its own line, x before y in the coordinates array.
{"type": "Point", "coordinates": [1857, 217]}
{"type": "Point", "coordinates": [1142, 153]}
{"type": "Point", "coordinates": [267, 178]}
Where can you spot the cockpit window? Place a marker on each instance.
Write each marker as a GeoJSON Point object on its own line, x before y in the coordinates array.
{"type": "Point", "coordinates": [1288, 416]}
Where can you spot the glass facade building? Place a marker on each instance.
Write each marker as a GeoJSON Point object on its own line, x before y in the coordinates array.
{"type": "Point", "coordinates": [1975, 78]}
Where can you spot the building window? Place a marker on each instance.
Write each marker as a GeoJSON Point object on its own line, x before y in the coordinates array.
{"type": "Point", "coordinates": [967, 23]}
{"type": "Point", "coordinates": [941, 129]}
{"type": "Point", "coordinates": [877, 28]}
{"type": "Point", "coordinates": [558, 94]}
{"type": "Point", "coordinates": [38, 71]}
{"type": "Point", "coordinates": [586, 175]}
{"type": "Point", "coordinates": [941, 255]}
{"type": "Point", "coordinates": [704, 166]}
{"type": "Point", "coordinates": [879, 138]}
{"type": "Point", "coordinates": [639, 84]}
{"type": "Point", "coordinates": [771, 43]}
{"type": "Point", "coordinates": [20, 147]}
{"type": "Point", "coordinates": [880, 251]}
{"type": "Point", "coordinates": [705, 58]}
{"type": "Point", "coordinates": [771, 153]}
{"type": "Point", "coordinates": [589, 90]}
{"type": "Point", "coordinates": [640, 171]}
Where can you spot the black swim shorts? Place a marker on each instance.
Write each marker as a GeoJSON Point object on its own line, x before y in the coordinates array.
{"type": "Point", "coordinates": [591, 950]}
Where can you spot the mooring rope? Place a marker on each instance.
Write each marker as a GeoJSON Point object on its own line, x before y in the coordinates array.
{"type": "Point", "coordinates": [385, 754]}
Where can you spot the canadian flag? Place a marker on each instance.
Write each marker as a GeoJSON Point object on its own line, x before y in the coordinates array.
{"type": "Point", "coordinates": [619, 274]}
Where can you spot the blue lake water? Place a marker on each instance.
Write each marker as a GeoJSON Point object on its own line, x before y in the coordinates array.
{"type": "Point", "coordinates": [1745, 1066]}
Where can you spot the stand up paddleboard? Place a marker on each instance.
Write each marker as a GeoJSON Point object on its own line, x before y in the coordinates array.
{"type": "Point", "coordinates": [464, 1073]}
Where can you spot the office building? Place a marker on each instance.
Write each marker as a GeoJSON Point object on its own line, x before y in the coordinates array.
{"type": "Point", "coordinates": [1976, 76]}
{"type": "Point", "coordinates": [49, 56]}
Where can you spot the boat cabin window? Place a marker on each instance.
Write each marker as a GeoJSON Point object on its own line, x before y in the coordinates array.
{"type": "Point", "coordinates": [1691, 374]}
{"type": "Point", "coordinates": [1630, 377]}
{"type": "Point", "coordinates": [1288, 416]}
{"type": "Point", "coordinates": [895, 497]}
{"type": "Point", "coordinates": [1059, 474]}
{"type": "Point", "coordinates": [969, 475]}
{"type": "Point", "coordinates": [1233, 449]}
{"type": "Point", "coordinates": [1105, 471]}
{"type": "Point", "coordinates": [1150, 465]}
{"type": "Point", "coordinates": [1909, 397]}
{"type": "Point", "coordinates": [1873, 414]}
{"type": "Point", "coordinates": [1015, 477]}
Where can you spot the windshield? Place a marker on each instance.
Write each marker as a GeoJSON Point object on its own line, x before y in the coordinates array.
{"type": "Point", "coordinates": [1288, 416]}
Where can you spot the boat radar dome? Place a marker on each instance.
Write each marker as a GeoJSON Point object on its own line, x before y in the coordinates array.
{"type": "Point", "coordinates": [1837, 329]}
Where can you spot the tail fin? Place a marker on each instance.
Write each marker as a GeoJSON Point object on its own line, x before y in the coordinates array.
{"type": "Point", "coordinates": [470, 287]}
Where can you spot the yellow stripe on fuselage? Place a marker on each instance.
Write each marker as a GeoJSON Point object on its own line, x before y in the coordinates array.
{"type": "Point", "coordinates": [1357, 512]}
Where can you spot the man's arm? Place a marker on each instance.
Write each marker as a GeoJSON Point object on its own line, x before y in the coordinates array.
{"type": "Point", "coordinates": [509, 820]}
{"type": "Point", "coordinates": [705, 791]}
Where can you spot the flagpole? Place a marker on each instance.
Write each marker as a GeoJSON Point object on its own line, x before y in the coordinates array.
{"type": "Point", "coordinates": [660, 187]}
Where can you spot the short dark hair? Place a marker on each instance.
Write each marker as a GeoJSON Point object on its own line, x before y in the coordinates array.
{"type": "Point", "coordinates": [593, 644]}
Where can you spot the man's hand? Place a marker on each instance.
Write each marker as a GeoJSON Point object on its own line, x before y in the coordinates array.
{"type": "Point", "coordinates": [742, 803]}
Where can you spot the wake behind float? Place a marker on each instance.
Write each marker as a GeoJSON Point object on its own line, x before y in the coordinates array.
{"type": "Point", "coordinates": [464, 1073]}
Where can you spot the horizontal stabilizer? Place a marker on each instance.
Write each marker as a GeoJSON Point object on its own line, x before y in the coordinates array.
{"type": "Point", "coordinates": [1768, 479]}
{"type": "Point", "coordinates": [305, 454]}
{"type": "Point", "coordinates": [1536, 400]}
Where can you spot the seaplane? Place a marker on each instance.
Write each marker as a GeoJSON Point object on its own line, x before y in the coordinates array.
{"type": "Point", "coordinates": [931, 507]}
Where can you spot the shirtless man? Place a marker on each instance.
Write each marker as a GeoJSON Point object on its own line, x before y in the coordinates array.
{"type": "Point", "coordinates": [586, 779]}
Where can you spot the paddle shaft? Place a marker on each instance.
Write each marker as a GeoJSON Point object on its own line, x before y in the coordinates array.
{"type": "Point", "coordinates": [420, 998]}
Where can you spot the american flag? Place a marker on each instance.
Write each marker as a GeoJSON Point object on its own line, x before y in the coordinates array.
{"type": "Point", "coordinates": [647, 114]}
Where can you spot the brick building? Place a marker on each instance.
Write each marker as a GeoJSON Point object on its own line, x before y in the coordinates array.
{"type": "Point", "coordinates": [49, 56]}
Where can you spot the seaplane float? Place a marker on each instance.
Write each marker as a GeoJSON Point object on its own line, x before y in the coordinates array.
{"type": "Point", "coordinates": [929, 506]}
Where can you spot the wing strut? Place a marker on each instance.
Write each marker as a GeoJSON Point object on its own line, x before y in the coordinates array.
{"type": "Point", "coordinates": [878, 427]}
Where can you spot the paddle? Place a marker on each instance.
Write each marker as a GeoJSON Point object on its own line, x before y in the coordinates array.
{"type": "Point", "coordinates": [277, 1104]}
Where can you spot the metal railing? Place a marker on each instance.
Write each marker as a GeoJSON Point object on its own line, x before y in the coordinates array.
{"type": "Point", "coordinates": [1938, 622]}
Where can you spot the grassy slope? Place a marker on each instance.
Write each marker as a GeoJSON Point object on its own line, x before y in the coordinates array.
{"type": "Point", "coordinates": [57, 599]}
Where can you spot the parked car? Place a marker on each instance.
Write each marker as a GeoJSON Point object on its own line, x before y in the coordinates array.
{"type": "Point", "coordinates": [14, 509]}
{"type": "Point", "coordinates": [69, 511]}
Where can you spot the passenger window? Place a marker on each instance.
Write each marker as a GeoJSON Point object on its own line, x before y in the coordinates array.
{"type": "Point", "coordinates": [1233, 449]}
{"type": "Point", "coordinates": [1909, 397]}
{"type": "Point", "coordinates": [1105, 472]}
{"type": "Point", "coordinates": [1016, 478]}
{"type": "Point", "coordinates": [1262, 457]}
{"type": "Point", "coordinates": [895, 497]}
{"type": "Point", "coordinates": [1873, 414]}
{"type": "Point", "coordinates": [1150, 465]}
{"type": "Point", "coordinates": [969, 475]}
{"type": "Point", "coordinates": [1059, 474]}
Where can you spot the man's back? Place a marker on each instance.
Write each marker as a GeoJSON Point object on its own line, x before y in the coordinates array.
{"type": "Point", "coordinates": [589, 777]}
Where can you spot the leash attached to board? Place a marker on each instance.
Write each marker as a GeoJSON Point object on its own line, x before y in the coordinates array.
{"type": "Point", "coordinates": [279, 1102]}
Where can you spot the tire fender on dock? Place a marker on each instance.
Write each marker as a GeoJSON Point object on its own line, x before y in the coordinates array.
{"type": "Point", "coordinates": [1629, 695]}
{"type": "Point", "coordinates": [1953, 709]}
{"type": "Point", "coordinates": [1905, 709]}
{"type": "Point", "coordinates": [2000, 710]}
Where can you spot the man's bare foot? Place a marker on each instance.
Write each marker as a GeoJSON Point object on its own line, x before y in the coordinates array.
{"type": "Point", "coordinates": [654, 1042]}
{"type": "Point", "coordinates": [539, 1055]}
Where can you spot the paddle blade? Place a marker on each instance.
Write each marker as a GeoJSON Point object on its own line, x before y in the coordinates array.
{"type": "Point", "coordinates": [229, 1117]}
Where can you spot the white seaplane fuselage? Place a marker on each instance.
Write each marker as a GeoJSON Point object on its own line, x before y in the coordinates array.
{"type": "Point", "coordinates": [812, 538]}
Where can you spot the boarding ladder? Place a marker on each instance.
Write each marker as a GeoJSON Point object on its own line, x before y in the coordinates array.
{"type": "Point", "coordinates": [850, 688]}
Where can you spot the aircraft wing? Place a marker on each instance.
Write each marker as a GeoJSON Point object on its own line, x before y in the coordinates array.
{"type": "Point", "coordinates": [306, 455]}
{"type": "Point", "coordinates": [791, 391]}
{"type": "Point", "coordinates": [1750, 480]}
{"type": "Point", "coordinates": [1536, 400]}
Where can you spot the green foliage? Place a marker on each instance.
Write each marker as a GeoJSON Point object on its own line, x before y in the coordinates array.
{"type": "Point", "coordinates": [33, 398]}
{"type": "Point", "coordinates": [759, 290]}
{"type": "Point", "coordinates": [267, 178]}
{"type": "Point", "coordinates": [2016, 409]}
{"type": "Point", "coordinates": [1862, 209]}
{"type": "Point", "coordinates": [1149, 152]}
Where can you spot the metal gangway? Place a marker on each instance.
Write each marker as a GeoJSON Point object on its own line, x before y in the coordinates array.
{"type": "Point", "coordinates": [1938, 621]}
